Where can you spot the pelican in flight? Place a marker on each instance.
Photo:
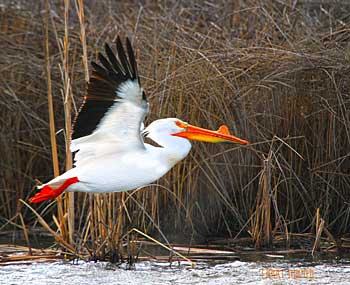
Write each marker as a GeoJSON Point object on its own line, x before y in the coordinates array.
{"type": "Point", "coordinates": [108, 134]}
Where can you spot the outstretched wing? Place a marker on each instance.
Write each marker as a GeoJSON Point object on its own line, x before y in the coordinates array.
{"type": "Point", "coordinates": [114, 108]}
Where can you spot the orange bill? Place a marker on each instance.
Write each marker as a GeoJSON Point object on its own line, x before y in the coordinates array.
{"type": "Point", "coordinates": [200, 134]}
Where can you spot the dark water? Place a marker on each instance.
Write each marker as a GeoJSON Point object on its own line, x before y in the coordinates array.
{"type": "Point", "coordinates": [272, 270]}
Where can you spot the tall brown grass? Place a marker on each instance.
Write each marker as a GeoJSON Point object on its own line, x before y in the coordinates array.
{"type": "Point", "coordinates": [276, 74]}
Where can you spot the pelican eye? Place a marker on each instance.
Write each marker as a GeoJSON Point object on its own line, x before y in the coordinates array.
{"type": "Point", "coordinates": [181, 125]}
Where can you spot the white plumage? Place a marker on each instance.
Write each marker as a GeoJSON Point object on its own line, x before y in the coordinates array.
{"type": "Point", "coordinates": [111, 169]}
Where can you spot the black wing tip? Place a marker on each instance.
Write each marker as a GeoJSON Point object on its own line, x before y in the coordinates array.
{"type": "Point", "coordinates": [128, 43]}
{"type": "Point", "coordinates": [94, 64]}
{"type": "Point", "coordinates": [100, 55]}
{"type": "Point", "coordinates": [119, 41]}
{"type": "Point", "coordinates": [132, 60]}
{"type": "Point", "coordinates": [123, 63]}
{"type": "Point", "coordinates": [113, 68]}
{"type": "Point", "coordinates": [123, 59]}
{"type": "Point", "coordinates": [107, 47]}
{"type": "Point", "coordinates": [98, 69]}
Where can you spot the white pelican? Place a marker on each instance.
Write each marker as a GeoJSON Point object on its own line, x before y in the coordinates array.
{"type": "Point", "coordinates": [107, 138]}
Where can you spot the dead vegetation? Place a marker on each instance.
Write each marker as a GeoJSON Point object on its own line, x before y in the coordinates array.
{"type": "Point", "coordinates": [276, 72]}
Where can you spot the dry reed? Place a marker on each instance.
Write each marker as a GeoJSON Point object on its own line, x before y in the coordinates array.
{"type": "Point", "coordinates": [276, 74]}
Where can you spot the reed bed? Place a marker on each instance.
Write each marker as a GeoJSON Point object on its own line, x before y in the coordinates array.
{"type": "Point", "coordinates": [276, 72]}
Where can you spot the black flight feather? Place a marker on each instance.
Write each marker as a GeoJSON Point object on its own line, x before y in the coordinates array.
{"type": "Point", "coordinates": [132, 60]}
{"type": "Point", "coordinates": [122, 57]}
{"type": "Point", "coordinates": [102, 89]}
{"type": "Point", "coordinates": [115, 63]}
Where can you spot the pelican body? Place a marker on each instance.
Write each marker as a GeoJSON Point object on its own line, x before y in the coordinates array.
{"type": "Point", "coordinates": [108, 135]}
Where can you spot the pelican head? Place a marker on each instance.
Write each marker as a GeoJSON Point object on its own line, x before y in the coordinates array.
{"type": "Point", "coordinates": [171, 128]}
